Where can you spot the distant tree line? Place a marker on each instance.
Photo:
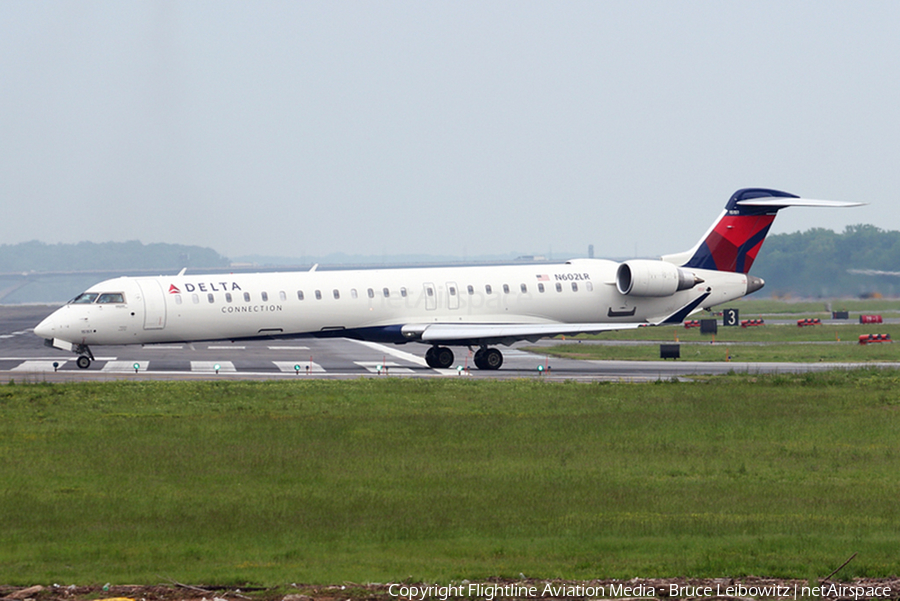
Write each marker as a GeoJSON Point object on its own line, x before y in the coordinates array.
{"type": "Point", "coordinates": [817, 262]}
{"type": "Point", "coordinates": [90, 256]}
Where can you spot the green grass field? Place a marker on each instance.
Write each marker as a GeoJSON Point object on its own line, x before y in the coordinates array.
{"type": "Point", "coordinates": [769, 306]}
{"type": "Point", "coordinates": [384, 480]}
{"type": "Point", "coordinates": [769, 334]}
{"type": "Point", "coordinates": [778, 353]}
{"type": "Point", "coordinates": [757, 346]}
{"type": "Point", "coordinates": [830, 342]}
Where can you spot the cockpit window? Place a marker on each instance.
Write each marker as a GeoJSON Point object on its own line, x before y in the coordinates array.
{"type": "Point", "coordinates": [87, 298]}
{"type": "Point", "coordinates": [111, 297]}
{"type": "Point", "coordinates": [84, 298]}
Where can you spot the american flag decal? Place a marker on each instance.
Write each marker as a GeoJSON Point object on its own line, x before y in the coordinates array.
{"type": "Point", "coordinates": [543, 278]}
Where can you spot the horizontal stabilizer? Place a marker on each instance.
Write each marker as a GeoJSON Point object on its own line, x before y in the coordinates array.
{"type": "Point", "coordinates": [780, 203]}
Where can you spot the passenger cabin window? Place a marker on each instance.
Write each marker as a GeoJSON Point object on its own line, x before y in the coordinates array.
{"type": "Point", "coordinates": [211, 298]}
{"type": "Point", "coordinates": [505, 288]}
{"type": "Point", "coordinates": [590, 286]}
{"type": "Point", "coordinates": [227, 297]}
{"type": "Point", "coordinates": [371, 293]}
{"type": "Point", "coordinates": [487, 288]}
{"type": "Point", "coordinates": [265, 296]}
{"type": "Point", "coordinates": [558, 287]}
{"type": "Point", "coordinates": [574, 286]}
{"type": "Point", "coordinates": [282, 295]}
{"type": "Point", "coordinates": [386, 292]}
{"type": "Point", "coordinates": [111, 298]}
{"type": "Point", "coordinates": [195, 298]}
{"type": "Point", "coordinates": [524, 289]}
{"type": "Point", "coordinates": [452, 290]}
{"type": "Point", "coordinates": [318, 295]}
{"type": "Point", "coordinates": [470, 290]}
{"type": "Point", "coordinates": [353, 293]}
{"type": "Point", "coordinates": [177, 299]}
{"type": "Point", "coordinates": [299, 295]}
{"type": "Point", "coordinates": [246, 297]}
{"type": "Point", "coordinates": [429, 290]}
{"type": "Point", "coordinates": [337, 294]}
{"type": "Point", "coordinates": [85, 298]}
{"type": "Point", "coordinates": [403, 292]}
{"type": "Point", "coordinates": [540, 287]}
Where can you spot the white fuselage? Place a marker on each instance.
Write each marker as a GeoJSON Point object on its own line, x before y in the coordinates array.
{"type": "Point", "coordinates": [370, 304]}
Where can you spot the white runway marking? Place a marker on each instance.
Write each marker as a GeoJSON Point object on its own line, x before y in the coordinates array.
{"type": "Point", "coordinates": [393, 352]}
{"type": "Point", "coordinates": [210, 366]}
{"type": "Point", "coordinates": [124, 366]}
{"type": "Point", "coordinates": [14, 334]}
{"type": "Point", "coordinates": [288, 366]}
{"type": "Point", "coordinates": [288, 348]}
{"type": "Point", "coordinates": [415, 359]}
{"type": "Point", "coordinates": [37, 366]}
{"type": "Point", "coordinates": [389, 367]}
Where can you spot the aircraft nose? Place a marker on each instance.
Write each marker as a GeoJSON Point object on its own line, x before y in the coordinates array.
{"type": "Point", "coordinates": [47, 328]}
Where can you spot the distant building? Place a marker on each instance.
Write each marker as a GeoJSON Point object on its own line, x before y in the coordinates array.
{"type": "Point", "coordinates": [531, 258]}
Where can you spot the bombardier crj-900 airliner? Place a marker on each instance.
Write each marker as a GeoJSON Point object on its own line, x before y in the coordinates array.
{"type": "Point", "coordinates": [476, 306]}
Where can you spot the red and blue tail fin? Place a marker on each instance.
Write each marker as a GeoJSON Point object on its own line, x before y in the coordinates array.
{"type": "Point", "coordinates": [733, 241]}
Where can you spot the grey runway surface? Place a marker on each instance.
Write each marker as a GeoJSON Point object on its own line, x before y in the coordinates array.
{"type": "Point", "coordinates": [23, 357]}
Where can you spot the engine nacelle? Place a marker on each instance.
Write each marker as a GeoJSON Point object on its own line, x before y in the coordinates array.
{"type": "Point", "coordinates": [653, 278]}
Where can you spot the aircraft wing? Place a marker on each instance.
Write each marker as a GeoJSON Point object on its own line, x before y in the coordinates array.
{"type": "Point", "coordinates": [487, 333]}
{"type": "Point", "coordinates": [508, 333]}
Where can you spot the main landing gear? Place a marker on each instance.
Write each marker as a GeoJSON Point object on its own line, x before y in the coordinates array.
{"type": "Point", "coordinates": [441, 357]}
{"type": "Point", "coordinates": [488, 358]}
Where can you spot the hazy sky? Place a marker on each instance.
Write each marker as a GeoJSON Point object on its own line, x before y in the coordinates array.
{"type": "Point", "coordinates": [461, 128]}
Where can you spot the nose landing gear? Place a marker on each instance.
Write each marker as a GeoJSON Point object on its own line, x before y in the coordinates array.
{"type": "Point", "coordinates": [85, 356]}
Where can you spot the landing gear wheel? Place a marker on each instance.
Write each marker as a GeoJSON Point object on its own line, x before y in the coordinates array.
{"type": "Point", "coordinates": [429, 356]}
{"type": "Point", "coordinates": [478, 359]}
{"type": "Point", "coordinates": [444, 357]}
{"type": "Point", "coordinates": [488, 358]}
{"type": "Point", "coordinates": [83, 362]}
{"type": "Point", "coordinates": [439, 357]}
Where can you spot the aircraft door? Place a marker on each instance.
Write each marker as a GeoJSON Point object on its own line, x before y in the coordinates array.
{"type": "Point", "coordinates": [430, 297]}
{"type": "Point", "coordinates": [452, 296]}
{"type": "Point", "coordinates": [154, 303]}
